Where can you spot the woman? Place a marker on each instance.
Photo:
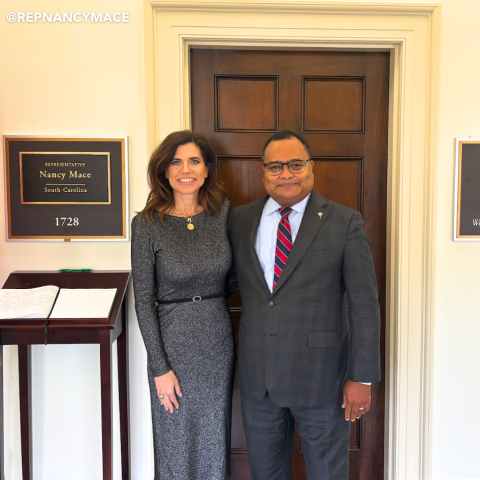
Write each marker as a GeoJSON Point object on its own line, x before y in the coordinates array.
{"type": "Point", "coordinates": [181, 253]}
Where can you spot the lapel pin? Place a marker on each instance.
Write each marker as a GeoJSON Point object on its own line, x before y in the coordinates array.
{"type": "Point", "coordinates": [320, 214]}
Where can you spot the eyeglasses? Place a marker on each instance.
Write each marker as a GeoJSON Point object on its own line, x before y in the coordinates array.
{"type": "Point", "coordinates": [295, 166]}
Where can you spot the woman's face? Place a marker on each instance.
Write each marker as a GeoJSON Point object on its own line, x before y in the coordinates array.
{"type": "Point", "coordinates": [188, 171]}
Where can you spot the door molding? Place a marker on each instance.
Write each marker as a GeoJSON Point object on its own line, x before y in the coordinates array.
{"type": "Point", "coordinates": [411, 34]}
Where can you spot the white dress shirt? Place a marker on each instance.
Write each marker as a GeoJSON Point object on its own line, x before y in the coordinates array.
{"type": "Point", "coordinates": [266, 240]}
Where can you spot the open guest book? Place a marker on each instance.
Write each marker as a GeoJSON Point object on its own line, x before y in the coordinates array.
{"type": "Point", "coordinates": [65, 302]}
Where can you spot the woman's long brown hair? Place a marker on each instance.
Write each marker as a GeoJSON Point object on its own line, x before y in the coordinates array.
{"type": "Point", "coordinates": [160, 199]}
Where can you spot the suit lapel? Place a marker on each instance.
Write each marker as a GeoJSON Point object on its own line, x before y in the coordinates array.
{"type": "Point", "coordinates": [311, 224]}
{"type": "Point", "coordinates": [252, 223]}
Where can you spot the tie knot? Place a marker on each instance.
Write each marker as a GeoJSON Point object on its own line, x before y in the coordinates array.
{"type": "Point", "coordinates": [285, 212]}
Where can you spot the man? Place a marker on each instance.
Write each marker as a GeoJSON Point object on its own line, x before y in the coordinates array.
{"type": "Point", "coordinates": [297, 256]}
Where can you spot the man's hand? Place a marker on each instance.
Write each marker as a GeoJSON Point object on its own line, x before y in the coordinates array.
{"type": "Point", "coordinates": [356, 400]}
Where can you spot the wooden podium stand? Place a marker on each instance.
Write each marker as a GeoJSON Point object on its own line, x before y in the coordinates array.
{"type": "Point", "coordinates": [28, 332]}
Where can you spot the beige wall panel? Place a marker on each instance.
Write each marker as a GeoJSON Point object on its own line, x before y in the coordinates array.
{"type": "Point", "coordinates": [74, 79]}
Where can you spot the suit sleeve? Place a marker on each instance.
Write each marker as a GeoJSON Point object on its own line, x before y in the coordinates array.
{"type": "Point", "coordinates": [143, 273]}
{"type": "Point", "coordinates": [364, 309]}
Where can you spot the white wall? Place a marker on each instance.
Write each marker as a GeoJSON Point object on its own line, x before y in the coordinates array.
{"type": "Point", "coordinates": [73, 79]}
{"type": "Point", "coordinates": [457, 316]}
{"type": "Point", "coordinates": [88, 80]}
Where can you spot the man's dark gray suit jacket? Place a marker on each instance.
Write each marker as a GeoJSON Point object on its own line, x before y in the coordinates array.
{"type": "Point", "coordinates": [295, 343]}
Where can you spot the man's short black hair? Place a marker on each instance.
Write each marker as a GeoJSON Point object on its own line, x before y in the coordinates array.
{"type": "Point", "coordinates": [285, 135]}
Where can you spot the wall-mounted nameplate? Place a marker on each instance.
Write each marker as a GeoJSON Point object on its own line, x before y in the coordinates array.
{"type": "Point", "coordinates": [66, 189]}
{"type": "Point", "coordinates": [65, 177]}
{"type": "Point", "coordinates": [467, 190]}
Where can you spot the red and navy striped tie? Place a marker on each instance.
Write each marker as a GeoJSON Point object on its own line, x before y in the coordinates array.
{"type": "Point", "coordinates": [284, 244]}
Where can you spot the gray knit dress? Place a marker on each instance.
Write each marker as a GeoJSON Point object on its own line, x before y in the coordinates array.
{"type": "Point", "coordinates": [195, 340]}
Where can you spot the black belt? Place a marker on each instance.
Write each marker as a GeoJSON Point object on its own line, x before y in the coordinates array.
{"type": "Point", "coordinates": [195, 299]}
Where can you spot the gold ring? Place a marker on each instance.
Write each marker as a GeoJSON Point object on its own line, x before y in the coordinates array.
{"type": "Point", "coordinates": [361, 408]}
{"type": "Point", "coordinates": [160, 397]}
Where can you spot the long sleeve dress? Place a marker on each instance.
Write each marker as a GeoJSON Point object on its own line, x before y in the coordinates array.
{"type": "Point", "coordinates": [194, 339]}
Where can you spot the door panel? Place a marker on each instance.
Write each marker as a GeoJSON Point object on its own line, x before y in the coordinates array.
{"type": "Point", "coordinates": [250, 170]}
{"type": "Point", "coordinates": [332, 144]}
{"type": "Point", "coordinates": [246, 104]}
{"type": "Point", "coordinates": [328, 174]}
{"type": "Point", "coordinates": [333, 104]}
{"type": "Point", "coordinates": [339, 102]}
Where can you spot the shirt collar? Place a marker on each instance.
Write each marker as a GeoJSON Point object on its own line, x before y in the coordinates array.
{"type": "Point", "coordinates": [272, 206]}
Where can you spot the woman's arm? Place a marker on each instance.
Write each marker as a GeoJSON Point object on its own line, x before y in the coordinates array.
{"type": "Point", "coordinates": [143, 273]}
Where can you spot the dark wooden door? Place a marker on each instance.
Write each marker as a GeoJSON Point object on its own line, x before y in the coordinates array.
{"type": "Point", "coordinates": [339, 102]}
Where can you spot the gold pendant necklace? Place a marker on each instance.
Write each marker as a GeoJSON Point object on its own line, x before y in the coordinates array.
{"type": "Point", "coordinates": [190, 225]}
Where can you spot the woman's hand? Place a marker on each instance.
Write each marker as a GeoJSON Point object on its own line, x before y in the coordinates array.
{"type": "Point", "coordinates": [167, 385]}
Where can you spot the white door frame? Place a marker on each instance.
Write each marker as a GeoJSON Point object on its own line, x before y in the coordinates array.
{"type": "Point", "coordinates": [411, 33]}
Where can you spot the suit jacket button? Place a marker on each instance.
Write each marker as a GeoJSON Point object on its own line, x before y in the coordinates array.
{"type": "Point", "coordinates": [270, 303]}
